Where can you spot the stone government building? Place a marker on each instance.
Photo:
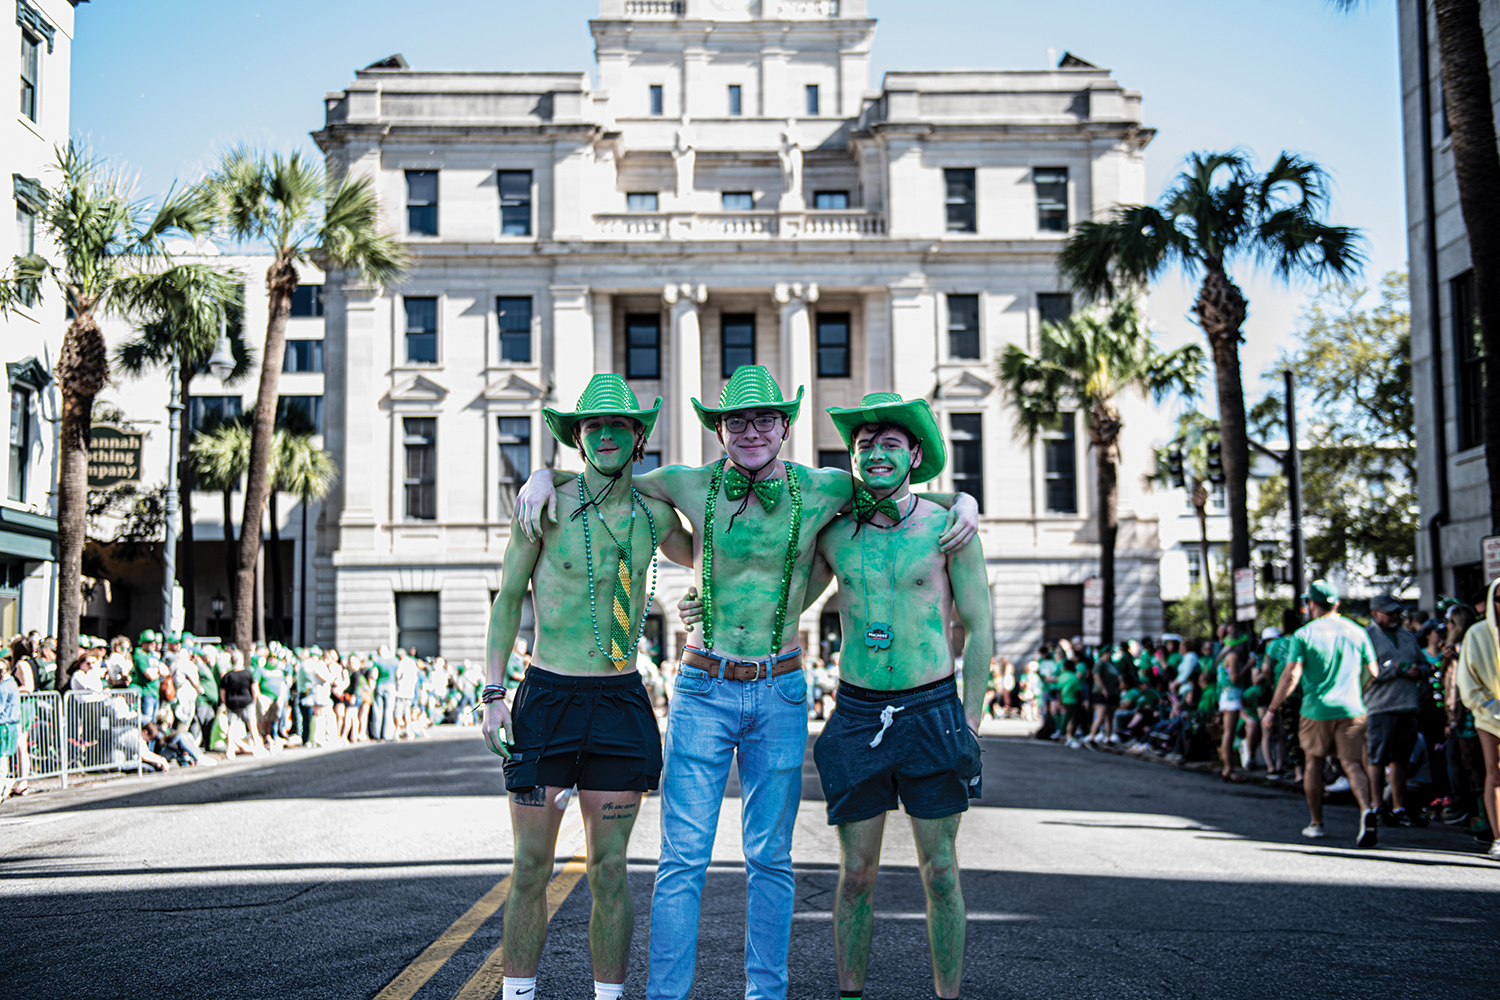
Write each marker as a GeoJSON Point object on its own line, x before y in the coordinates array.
{"type": "Point", "coordinates": [733, 191]}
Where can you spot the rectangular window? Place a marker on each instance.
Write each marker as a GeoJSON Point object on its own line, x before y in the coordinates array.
{"type": "Point", "coordinates": [834, 460]}
{"type": "Point", "coordinates": [1062, 612]}
{"type": "Point", "coordinates": [207, 412]}
{"type": "Point", "coordinates": [831, 199]}
{"type": "Point", "coordinates": [1051, 198]}
{"type": "Point", "coordinates": [963, 327]}
{"type": "Point", "coordinates": [1195, 566]}
{"type": "Point", "coordinates": [417, 623]}
{"type": "Point", "coordinates": [420, 436]}
{"type": "Point", "coordinates": [968, 454]}
{"type": "Point", "coordinates": [303, 356]}
{"type": "Point", "coordinates": [734, 100]}
{"type": "Point", "coordinates": [656, 105]}
{"type": "Point", "coordinates": [515, 329]}
{"type": "Point", "coordinates": [812, 100]}
{"type": "Point", "coordinates": [641, 201]}
{"type": "Point", "coordinates": [643, 346]}
{"type": "Point", "coordinates": [309, 410]}
{"type": "Point", "coordinates": [1062, 465]}
{"type": "Point", "coordinates": [1469, 355]}
{"type": "Point", "coordinates": [737, 338]}
{"type": "Point", "coordinates": [649, 462]}
{"type": "Point", "coordinates": [514, 435]}
{"type": "Point", "coordinates": [737, 201]}
{"type": "Point", "coordinates": [30, 51]}
{"type": "Point", "coordinates": [25, 230]}
{"type": "Point", "coordinates": [833, 345]}
{"type": "Point", "coordinates": [421, 331]}
{"type": "Point", "coordinates": [422, 202]}
{"type": "Point", "coordinates": [515, 202]}
{"type": "Point", "coordinates": [20, 442]}
{"type": "Point", "coordinates": [307, 301]}
{"type": "Point", "coordinates": [959, 200]}
{"type": "Point", "coordinates": [1054, 307]}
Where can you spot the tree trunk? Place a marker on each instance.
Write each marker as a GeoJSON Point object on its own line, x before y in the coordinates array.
{"type": "Point", "coordinates": [281, 281]}
{"type": "Point", "coordinates": [1109, 524]}
{"type": "Point", "coordinates": [276, 597]}
{"type": "Point", "coordinates": [1476, 165]}
{"type": "Point", "coordinates": [229, 553]}
{"type": "Point", "coordinates": [1221, 312]}
{"type": "Point", "coordinates": [185, 570]}
{"type": "Point", "coordinates": [1200, 504]}
{"type": "Point", "coordinates": [82, 370]}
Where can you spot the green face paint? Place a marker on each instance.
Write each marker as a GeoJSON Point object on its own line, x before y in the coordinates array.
{"type": "Point", "coordinates": [608, 442]}
{"type": "Point", "coordinates": [884, 461]}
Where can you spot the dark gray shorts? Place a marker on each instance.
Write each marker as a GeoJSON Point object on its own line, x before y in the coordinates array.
{"type": "Point", "coordinates": [594, 732]}
{"type": "Point", "coordinates": [926, 756]}
{"type": "Point", "coordinates": [1392, 736]}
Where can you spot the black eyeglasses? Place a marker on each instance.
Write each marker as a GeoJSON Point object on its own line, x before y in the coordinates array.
{"type": "Point", "coordinates": [764, 424]}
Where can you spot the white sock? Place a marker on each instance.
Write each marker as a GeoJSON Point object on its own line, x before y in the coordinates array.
{"type": "Point", "coordinates": [518, 989]}
{"type": "Point", "coordinates": [608, 991]}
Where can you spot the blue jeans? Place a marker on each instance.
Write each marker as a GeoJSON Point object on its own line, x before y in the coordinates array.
{"type": "Point", "coordinates": [710, 723]}
{"type": "Point", "coordinates": [383, 713]}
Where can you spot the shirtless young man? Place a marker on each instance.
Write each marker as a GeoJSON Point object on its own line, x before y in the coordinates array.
{"type": "Point", "coordinates": [740, 694]}
{"type": "Point", "coordinates": [581, 716]}
{"type": "Point", "coordinates": [900, 729]}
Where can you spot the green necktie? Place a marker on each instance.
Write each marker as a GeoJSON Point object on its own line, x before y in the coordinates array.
{"type": "Point", "coordinates": [866, 506]}
{"type": "Point", "coordinates": [619, 626]}
{"type": "Point", "coordinates": [768, 491]}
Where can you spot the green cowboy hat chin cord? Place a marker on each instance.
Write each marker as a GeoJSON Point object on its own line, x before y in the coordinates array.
{"type": "Point", "coordinates": [879, 635]}
{"type": "Point", "coordinates": [794, 490]}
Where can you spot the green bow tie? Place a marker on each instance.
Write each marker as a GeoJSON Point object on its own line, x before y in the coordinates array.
{"type": "Point", "coordinates": [866, 506]}
{"type": "Point", "coordinates": [768, 491]}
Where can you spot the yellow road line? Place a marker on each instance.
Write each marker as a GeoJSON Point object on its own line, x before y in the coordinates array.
{"type": "Point", "coordinates": [488, 981]}
{"type": "Point", "coordinates": [425, 966]}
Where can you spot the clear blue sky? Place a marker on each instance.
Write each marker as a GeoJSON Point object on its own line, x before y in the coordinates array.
{"type": "Point", "coordinates": [163, 85]}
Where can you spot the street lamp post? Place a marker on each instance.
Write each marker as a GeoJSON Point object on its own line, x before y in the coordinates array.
{"type": "Point", "coordinates": [169, 555]}
{"type": "Point", "coordinates": [1294, 489]}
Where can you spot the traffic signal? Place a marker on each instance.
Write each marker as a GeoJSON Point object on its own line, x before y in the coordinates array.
{"type": "Point", "coordinates": [1174, 467]}
{"type": "Point", "coordinates": [1215, 462]}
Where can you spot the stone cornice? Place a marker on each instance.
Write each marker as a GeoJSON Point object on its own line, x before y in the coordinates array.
{"type": "Point", "coordinates": [32, 19]}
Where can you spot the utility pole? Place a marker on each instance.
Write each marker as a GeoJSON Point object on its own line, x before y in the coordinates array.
{"type": "Point", "coordinates": [169, 552]}
{"type": "Point", "coordinates": [1293, 463]}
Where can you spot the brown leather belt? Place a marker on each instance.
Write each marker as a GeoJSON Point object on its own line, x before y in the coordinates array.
{"type": "Point", "coordinates": [739, 670]}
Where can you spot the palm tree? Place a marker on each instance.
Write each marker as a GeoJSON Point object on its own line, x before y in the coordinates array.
{"type": "Point", "coordinates": [1218, 210]}
{"type": "Point", "coordinates": [303, 469]}
{"type": "Point", "coordinates": [297, 210]}
{"type": "Point", "coordinates": [110, 253]}
{"type": "Point", "coordinates": [1464, 63]}
{"type": "Point", "coordinates": [172, 332]}
{"type": "Point", "coordinates": [1084, 363]}
{"type": "Point", "coordinates": [219, 456]}
{"type": "Point", "coordinates": [1194, 432]}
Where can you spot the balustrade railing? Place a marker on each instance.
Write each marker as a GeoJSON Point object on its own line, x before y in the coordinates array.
{"type": "Point", "coordinates": [826, 224]}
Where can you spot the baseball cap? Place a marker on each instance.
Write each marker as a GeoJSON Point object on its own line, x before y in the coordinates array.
{"type": "Point", "coordinates": [1270, 632]}
{"type": "Point", "coordinates": [1386, 603]}
{"type": "Point", "coordinates": [148, 635]}
{"type": "Point", "coordinates": [1323, 592]}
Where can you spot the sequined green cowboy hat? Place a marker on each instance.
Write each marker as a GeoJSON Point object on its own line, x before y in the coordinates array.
{"type": "Point", "coordinates": [606, 395]}
{"type": "Point", "coordinates": [751, 387]}
{"type": "Point", "coordinates": [912, 415]}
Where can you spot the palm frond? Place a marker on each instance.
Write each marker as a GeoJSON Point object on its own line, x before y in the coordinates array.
{"type": "Point", "coordinates": [299, 466]}
{"type": "Point", "coordinates": [221, 454]}
{"type": "Point", "coordinates": [1102, 259]}
{"type": "Point", "coordinates": [351, 236]}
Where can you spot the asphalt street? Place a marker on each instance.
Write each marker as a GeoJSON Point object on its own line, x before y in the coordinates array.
{"type": "Point", "coordinates": [357, 872]}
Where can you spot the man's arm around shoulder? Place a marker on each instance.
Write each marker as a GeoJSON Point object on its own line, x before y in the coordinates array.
{"type": "Point", "coordinates": [971, 602]}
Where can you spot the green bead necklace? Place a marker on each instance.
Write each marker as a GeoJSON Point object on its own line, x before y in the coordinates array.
{"type": "Point", "coordinates": [588, 555]}
{"type": "Point", "coordinates": [794, 491]}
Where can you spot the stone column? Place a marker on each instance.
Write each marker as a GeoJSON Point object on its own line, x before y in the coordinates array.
{"type": "Point", "coordinates": [797, 365]}
{"type": "Point", "coordinates": [356, 346]}
{"type": "Point", "coordinates": [913, 340]}
{"type": "Point", "coordinates": [572, 344]}
{"type": "Point", "coordinates": [685, 370]}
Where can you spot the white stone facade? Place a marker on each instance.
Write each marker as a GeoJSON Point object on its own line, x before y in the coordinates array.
{"type": "Point", "coordinates": [732, 185]}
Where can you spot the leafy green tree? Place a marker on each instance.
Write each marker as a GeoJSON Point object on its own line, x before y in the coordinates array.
{"type": "Point", "coordinates": [1194, 431]}
{"type": "Point", "coordinates": [1219, 211]}
{"type": "Point", "coordinates": [1359, 462]}
{"type": "Point", "coordinates": [178, 331]}
{"type": "Point", "coordinates": [1085, 363]}
{"type": "Point", "coordinates": [109, 258]}
{"type": "Point", "coordinates": [305, 471]}
{"type": "Point", "coordinates": [297, 210]}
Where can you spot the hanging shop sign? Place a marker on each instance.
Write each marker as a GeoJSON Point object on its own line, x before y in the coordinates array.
{"type": "Point", "coordinates": [114, 456]}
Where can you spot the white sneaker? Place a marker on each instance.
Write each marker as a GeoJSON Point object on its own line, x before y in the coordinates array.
{"type": "Point", "coordinates": [1494, 851]}
{"type": "Point", "coordinates": [1114, 737]}
{"type": "Point", "coordinates": [1340, 784]}
{"type": "Point", "coordinates": [1313, 831]}
{"type": "Point", "coordinates": [1074, 745]}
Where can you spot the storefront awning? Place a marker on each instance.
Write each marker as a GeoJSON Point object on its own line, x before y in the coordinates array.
{"type": "Point", "coordinates": [28, 536]}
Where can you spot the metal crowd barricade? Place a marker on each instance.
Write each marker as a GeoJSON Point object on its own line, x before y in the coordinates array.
{"type": "Point", "coordinates": [101, 731]}
{"type": "Point", "coordinates": [36, 754]}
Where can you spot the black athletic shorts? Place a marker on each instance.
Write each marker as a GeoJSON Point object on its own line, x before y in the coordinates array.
{"type": "Point", "coordinates": [1392, 736]}
{"type": "Point", "coordinates": [596, 733]}
{"type": "Point", "coordinates": [923, 753]}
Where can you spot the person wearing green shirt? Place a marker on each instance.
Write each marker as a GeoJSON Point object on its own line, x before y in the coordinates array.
{"type": "Point", "coordinates": [1267, 675]}
{"type": "Point", "coordinates": [1330, 660]}
{"type": "Point", "coordinates": [1070, 695]}
{"type": "Point", "coordinates": [146, 671]}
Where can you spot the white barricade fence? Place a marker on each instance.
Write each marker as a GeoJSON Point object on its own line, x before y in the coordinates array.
{"type": "Point", "coordinates": [36, 754]}
{"type": "Point", "coordinates": [102, 731]}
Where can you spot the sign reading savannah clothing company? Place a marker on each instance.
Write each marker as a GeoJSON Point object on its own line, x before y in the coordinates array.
{"type": "Point", "coordinates": [114, 456]}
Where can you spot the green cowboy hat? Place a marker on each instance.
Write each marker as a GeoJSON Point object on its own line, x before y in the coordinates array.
{"type": "Point", "coordinates": [751, 387]}
{"type": "Point", "coordinates": [606, 395]}
{"type": "Point", "coordinates": [912, 415]}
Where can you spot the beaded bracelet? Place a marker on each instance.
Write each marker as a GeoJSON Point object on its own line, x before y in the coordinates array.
{"type": "Point", "coordinates": [492, 693]}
